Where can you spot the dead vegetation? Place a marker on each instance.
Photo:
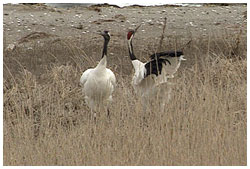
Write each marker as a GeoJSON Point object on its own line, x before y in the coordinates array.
{"type": "Point", "coordinates": [35, 35]}
{"type": "Point", "coordinates": [46, 121]}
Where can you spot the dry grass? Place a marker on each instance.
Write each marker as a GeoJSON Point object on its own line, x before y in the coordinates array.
{"type": "Point", "coordinates": [46, 121]}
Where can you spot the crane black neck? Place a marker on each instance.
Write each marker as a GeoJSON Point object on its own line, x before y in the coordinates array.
{"type": "Point", "coordinates": [131, 50]}
{"type": "Point", "coordinates": [105, 47]}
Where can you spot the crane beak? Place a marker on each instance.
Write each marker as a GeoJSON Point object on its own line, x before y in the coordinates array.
{"type": "Point", "coordinates": [99, 33]}
{"type": "Point", "coordinates": [137, 27]}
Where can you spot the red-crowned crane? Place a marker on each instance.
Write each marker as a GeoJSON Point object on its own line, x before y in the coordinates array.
{"type": "Point", "coordinates": [148, 76]}
{"type": "Point", "coordinates": [98, 83]}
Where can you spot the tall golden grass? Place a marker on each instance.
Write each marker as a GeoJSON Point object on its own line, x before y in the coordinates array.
{"type": "Point", "coordinates": [46, 121]}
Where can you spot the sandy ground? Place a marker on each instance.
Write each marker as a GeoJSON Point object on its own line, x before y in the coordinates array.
{"type": "Point", "coordinates": [33, 26]}
{"type": "Point", "coordinates": [21, 20]}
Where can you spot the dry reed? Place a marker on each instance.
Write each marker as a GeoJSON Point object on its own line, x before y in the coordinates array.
{"type": "Point", "coordinates": [46, 121]}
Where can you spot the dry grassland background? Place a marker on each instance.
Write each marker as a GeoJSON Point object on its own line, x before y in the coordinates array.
{"type": "Point", "coordinates": [46, 121]}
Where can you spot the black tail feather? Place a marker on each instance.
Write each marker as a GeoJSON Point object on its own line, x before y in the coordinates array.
{"type": "Point", "coordinates": [155, 66]}
{"type": "Point", "coordinates": [166, 54]}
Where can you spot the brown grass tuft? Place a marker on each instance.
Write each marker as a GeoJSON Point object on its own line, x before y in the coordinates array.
{"type": "Point", "coordinates": [46, 121]}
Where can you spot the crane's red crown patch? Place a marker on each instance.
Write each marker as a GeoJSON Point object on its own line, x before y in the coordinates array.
{"type": "Point", "coordinates": [130, 33]}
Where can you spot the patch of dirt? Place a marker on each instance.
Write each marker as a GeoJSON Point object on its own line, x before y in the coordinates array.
{"type": "Point", "coordinates": [34, 35]}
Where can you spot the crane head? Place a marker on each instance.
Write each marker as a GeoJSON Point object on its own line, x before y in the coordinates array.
{"type": "Point", "coordinates": [105, 34]}
{"type": "Point", "coordinates": [131, 33]}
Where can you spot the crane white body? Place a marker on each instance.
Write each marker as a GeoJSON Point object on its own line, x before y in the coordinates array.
{"type": "Point", "coordinates": [149, 76]}
{"type": "Point", "coordinates": [141, 85]}
{"type": "Point", "coordinates": [148, 86]}
{"type": "Point", "coordinates": [98, 84]}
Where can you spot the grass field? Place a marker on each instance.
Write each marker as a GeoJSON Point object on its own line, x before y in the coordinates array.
{"type": "Point", "coordinates": [46, 121]}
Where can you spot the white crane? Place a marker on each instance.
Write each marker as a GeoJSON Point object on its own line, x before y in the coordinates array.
{"type": "Point", "coordinates": [148, 76]}
{"type": "Point", "coordinates": [98, 83]}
